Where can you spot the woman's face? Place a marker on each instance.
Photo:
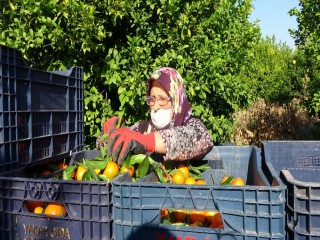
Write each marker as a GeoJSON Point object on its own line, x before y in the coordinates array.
{"type": "Point", "coordinates": [158, 92]}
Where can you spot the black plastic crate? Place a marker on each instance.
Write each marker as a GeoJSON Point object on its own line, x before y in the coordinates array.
{"type": "Point", "coordinates": [88, 205]}
{"type": "Point", "coordinates": [297, 163]}
{"type": "Point", "coordinates": [41, 113]}
{"type": "Point", "coordinates": [254, 211]}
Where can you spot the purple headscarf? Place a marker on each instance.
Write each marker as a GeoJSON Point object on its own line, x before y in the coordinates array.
{"type": "Point", "coordinates": [172, 82]}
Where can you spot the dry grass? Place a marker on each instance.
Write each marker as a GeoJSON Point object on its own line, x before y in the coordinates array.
{"type": "Point", "coordinates": [274, 122]}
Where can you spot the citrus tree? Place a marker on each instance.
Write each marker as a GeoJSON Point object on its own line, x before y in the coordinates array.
{"type": "Point", "coordinates": [307, 38]}
{"type": "Point", "coordinates": [275, 74]}
{"type": "Point", "coordinates": [119, 43]}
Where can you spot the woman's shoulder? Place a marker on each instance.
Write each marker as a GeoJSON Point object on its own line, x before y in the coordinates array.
{"type": "Point", "coordinates": [141, 126]}
{"type": "Point", "coordinates": [194, 121]}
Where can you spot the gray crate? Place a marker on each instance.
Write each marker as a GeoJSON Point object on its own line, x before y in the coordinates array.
{"type": "Point", "coordinates": [254, 211]}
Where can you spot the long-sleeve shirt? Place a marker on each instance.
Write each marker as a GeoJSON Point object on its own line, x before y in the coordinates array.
{"type": "Point", "coordinates": [186, 142]}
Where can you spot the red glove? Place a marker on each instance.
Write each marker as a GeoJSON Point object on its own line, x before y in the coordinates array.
{"type": "Point", "coordinates": [110, 124]}
{"type": "Point", "coordinates": [122, 141]}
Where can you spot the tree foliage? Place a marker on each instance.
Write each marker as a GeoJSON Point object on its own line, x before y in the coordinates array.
{"type": "Point", "coordinates": [307, 38]}
{"type": "Point", "coordinates": [120, 42]}
{"type": "Point", "coordinates": [274, 72]}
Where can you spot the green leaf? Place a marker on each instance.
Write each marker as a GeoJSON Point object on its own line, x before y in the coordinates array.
{"type": "Point", "coordinates": [137, 158]}
{"type": "Point", "coordinates": [127, 162]}
{"type": "Point", "coordinates": [86, 176]}
{"type": "Point", "coordinates": [104, 178]}
{"type": "Point", "coordinates": [159, 173]}
{"type": "Point", "coordinates": [143, 168]}
{"type": "Point", "coordinates": [67, 172]}
{"type": "Point", "coordinates": [53, 167]}
{"type": "Point", "coordinates": [228, 181]}
{"type": "Point", "coordinates": [91, 170]}
{"type": "Point", "coordinates": [97, 164]}
{"type": "Point", "coordinates": [103, 152]}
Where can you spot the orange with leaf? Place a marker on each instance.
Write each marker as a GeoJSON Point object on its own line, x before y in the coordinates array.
{"type": "Point", "coordinates": [129, 170]}
{"type": "Point", "coordinates": [230, 180]}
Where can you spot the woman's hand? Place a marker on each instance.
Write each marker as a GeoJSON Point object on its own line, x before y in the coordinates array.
{"type": "Point", "coordinates": [111, 124]}
{"type": "Point", "coordinates": [123, 141]}
{"type": "Point", "coordinates": [108, 126]}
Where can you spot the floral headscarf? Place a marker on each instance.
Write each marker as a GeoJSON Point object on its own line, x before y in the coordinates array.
{"type": "Point", "coordinates": [172, 82]}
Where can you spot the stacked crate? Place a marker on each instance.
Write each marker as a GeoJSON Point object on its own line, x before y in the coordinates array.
{"type": "Point", "coordinates": [41, 113]}
{"type": "Point", "coordinates": [41, 122]}
{"type": "Point", "coordinates": [298, 165]}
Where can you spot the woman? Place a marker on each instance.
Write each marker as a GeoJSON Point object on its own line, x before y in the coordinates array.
{"type": "Point", "coordinates": [172, 132]}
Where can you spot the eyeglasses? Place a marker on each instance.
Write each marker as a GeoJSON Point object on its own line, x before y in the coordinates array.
{"type": "Point", "coordinates": [163, 101]}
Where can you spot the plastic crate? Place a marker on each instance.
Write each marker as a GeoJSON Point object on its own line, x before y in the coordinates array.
{"type": "Point", "coordinates": [41, 113]}
{"type": "Point", "coordinates": [254, 211]}
{"type": "Point", "coordinates": [303, 203]}
{"type": "Point", "coordinates": [88, 204]}
{"type": "Point", "coordinates": [298, 165]}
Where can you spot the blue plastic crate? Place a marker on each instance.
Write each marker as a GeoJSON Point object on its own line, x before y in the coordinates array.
{"type": "Point", "coordinates": [41, 113]}
{"type": "Point", "coordinates": [298, 165]}
{"type": "Point", "coordinates": [88, 205]}
{"type": "Point", "coordinates": [254, 211]}
{"type": "Point", "coordinates": [303, 203]}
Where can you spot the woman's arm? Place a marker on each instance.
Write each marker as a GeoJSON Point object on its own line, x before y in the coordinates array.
{"type": "Point", "coordinates": [185, 142]}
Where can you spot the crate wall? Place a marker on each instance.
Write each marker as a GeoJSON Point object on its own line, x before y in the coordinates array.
{"type": "Point", "coordinates": [297, 163]}
{"type": "Point", "coordinates": [41, 113]}
{"type": "Point", "coordinates": [254, 211]}
{"type": "Point", "coordinates": [88, 205]}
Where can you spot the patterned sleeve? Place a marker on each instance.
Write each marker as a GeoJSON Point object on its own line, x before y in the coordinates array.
{"type": "Point", "coordinates": [187, 142]}
{"type": "Point", "coordinates": [135, 127]}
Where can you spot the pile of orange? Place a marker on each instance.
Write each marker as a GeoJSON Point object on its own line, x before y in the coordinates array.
{"type": "Point", "coordinates": [229, 180]}
{"type": "Point", "coordinates": [192, 218]}
{"type": "Point", "coordinates": [182, 176]}
{"type": "Point", "coordinates": [111, 170]}
{"type": "Point", "coordinates": [81, 172]}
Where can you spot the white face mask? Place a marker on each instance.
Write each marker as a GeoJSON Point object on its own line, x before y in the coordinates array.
{"type": "Point", "coordinates": [161, 117]}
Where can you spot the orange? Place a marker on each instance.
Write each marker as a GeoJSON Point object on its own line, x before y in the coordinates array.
{"type": "Point", "coordinates": [38, 210]}
{"type": "Point", "coordinates": [197, 216]}
{"type": "Point", "coordinates": [214, 226]}
{"type": "Point", "coordinates": [62, 165]}
{"type": "Point", "coordinates": [238, 182]}
{"type": "Point", "coordinates": [178, 178]}
{"type": "Point", "coordinates": [179, 215]}
{"type": "Point", "coordinates": [224, 179]}
{"type": "Point", "coordinates": [196, 224]}
{"type": "Point", "coordinates": [190, 181]}
{"type": "Point", "coordinates": [80, 171]}
{"type": "Point", "coordinates": [46, 172]}
{"type": "Point", "coordinates": [209, 215]}
{"type": "Point", "coordinates": [130, 170]}
{"type": "Point", "coordinates": [201, 182]}
{"type": "Point", "coordinates": [55, 209]}
{"type": "Point", "coordinates": [111, 170]}
{"type": "Point", "coordinates": [31, 205]}
{"type": "Point", "coordinates": [184, 169]}
{"type": "Point", "coordinates": [217, 221]}
{"type": "Point", "coordinates": [164, 213]}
